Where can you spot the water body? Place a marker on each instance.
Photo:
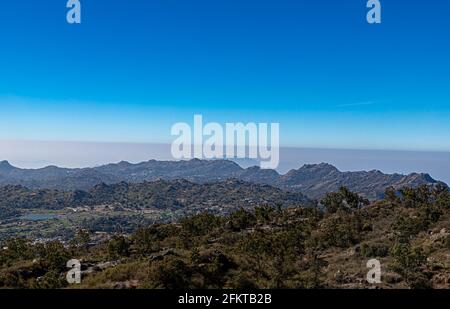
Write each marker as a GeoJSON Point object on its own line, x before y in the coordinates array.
{"type": "Point", "coordinates": [39, 217]}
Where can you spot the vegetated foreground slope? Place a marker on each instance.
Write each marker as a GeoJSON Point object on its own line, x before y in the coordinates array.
{"type": "Point", "coordinates": [264, 248]}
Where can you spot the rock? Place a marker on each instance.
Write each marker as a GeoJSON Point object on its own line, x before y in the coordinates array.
{"type": "Point", "coordinates": [160, 256]}
{"type": "Point", "coordinates": [129, 284]}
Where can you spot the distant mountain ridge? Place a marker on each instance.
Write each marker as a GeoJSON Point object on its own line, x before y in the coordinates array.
{"type": "Point", "coordinates": [317, 179]}
{"type": "Point", "coordinates": [312, 180]}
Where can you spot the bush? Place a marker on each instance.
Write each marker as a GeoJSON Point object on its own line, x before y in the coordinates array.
{"type": "Point", "coordinates": [200, 225]}
{"type": "Point", "coordinates": [118, 246]}
{"type": "Point", "coordinates": [53, 257]}
{"type": "Point", "coordinates": [406, 227]}
{"type": "Point", "coordinates": [409, 263]}
{"type": "Point", "coordinates": [241, 220]}
{"type": "Point", "coordinates": [447, 242]}
{"type": "Point", "coordinates": [169, 274]}
{"type": "Point", "coordinates": [370, 250]}
{"type": "Point", "coordinates": [339, 230]}
{"type": "Point", "coordinates": [145, 241]}
{"type": "Point", "coordinates": [344, 199]}
{"type": "Point", "coordinates": [17, 249]}
{"type": "Point", "coordinates": [51, 280]}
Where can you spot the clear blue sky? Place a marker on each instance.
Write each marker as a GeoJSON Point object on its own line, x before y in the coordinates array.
{"type": "Point", "coordinates": [133, 68]}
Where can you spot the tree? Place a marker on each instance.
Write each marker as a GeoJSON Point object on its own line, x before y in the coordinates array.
{"type": "Point", "coordinates": [144, 241]}
{"type": "Point", "coordinates": [169, 274]}
{"type": "Point", "coordinates": [240, 220]}
{"type": "Point", "coordinates": [343, 199]}
{"type": "Point", "coordinates": [54, 256]}
{"type": "Point", "coordinates": [118, 246]}
{"type": "Point", "coordinates": [441, 196]}
{"type": "Point", "coordinates": [81, 240]}
{"type": "Point", "coordinates": [390, 194]}
{"type": "Point", "coordinates": [409, 263]}
{"type": "Point", "coordinates": [312, 276]}
{"type": "Point", "coordinates": [332, 201]}
{"type": "Point", "coordinates": [17, 249]}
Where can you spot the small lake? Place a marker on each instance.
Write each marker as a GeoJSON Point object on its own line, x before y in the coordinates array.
{"type": "Point", "coordinates": [38, 217]}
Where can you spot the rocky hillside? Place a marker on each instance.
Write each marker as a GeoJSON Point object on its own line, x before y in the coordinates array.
{"type": "Point", "coordinates": [318, 179]}
{"type": "Point", "coordinates": [311, 180]}
{"type": "Point", "coordinates": [219, 197]}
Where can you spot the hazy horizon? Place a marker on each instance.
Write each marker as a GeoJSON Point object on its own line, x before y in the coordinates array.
{"type": "Point", "coordinates": [38, 154]}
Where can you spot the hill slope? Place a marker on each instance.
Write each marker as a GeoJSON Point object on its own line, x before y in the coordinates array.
{"type": "Point", "coordinates": [312, 180]}
{"type": "Point", "coordinates": [263, 248]}
{"type": "Point", "coordinates": [218, 197]}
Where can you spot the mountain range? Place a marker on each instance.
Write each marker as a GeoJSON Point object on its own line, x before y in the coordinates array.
{"type": "Point", "coordinates": [312, 180]}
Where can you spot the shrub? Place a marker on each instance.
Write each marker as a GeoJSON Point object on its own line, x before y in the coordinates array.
{"type": "Point", "coordinates": [200, 225]}
{"type": "Point", "coordinates": [447, 242]}
{"type": "Point", "coordinates": [409, 263]}
{"type": "Point", "coordinates": [374, 250]}
{"type": "Point", "coordinates": [169, 274]}
{"type": "Point", "coordinates": [241, 220]}
{"type": "Point", "coordinates": [118, 246]}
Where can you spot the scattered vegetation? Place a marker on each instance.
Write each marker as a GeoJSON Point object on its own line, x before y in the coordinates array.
{"type": "Point", "coordinates": [326, 246]}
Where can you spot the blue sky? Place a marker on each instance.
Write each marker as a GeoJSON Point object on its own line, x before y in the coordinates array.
{"type": "Point", "coordinates": [133, 68]}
